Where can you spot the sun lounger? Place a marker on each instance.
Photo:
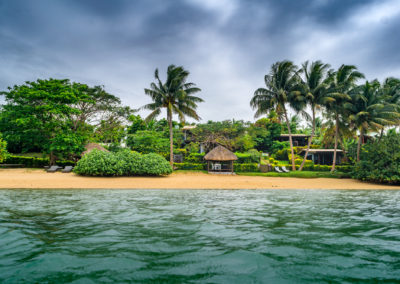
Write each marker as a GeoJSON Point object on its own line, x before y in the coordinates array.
{"type": "Point", "coordinates": [67, 169]}
{"type": "Point", "coordinates": [53, 169]}
{"type": "Point", "coordinates": [278, 170]}
{"type": "Point", "coordinates": [285, 169]}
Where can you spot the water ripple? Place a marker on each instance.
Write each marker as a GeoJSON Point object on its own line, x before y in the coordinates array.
{"type": "Point", "coordinates": [199, 236]}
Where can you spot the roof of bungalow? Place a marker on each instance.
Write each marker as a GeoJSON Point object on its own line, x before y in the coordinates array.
{"type": "Point", "coordinates": [91, 146]}
{"type": "Point", "coordinates": [220, 153]}
{"type": "Point", "coordinates": [296, 135]}
{"type": "Point", "coordinates": [322, 150]}
{"type": "Point", "coordinates": [188, 127]}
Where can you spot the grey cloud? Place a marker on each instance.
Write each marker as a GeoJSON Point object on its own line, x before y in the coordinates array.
{"type": "Point", "coordinates": [227, 49]}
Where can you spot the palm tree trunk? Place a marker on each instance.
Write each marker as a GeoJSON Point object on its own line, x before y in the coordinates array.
{"type": "Point", "coordinates": [290, 140]}
{"type": "Point", "coordinates": [171, 138]}
{"type": "Point", "coordinates": [336, 142]}
{"type": "Point", "coordinates": [359, 144]}
{"type": "Point", "coordinates": [309, 141]}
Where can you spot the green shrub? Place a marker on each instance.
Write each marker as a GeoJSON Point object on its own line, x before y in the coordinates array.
{"type": "Point", "coordinates": [282, 155]}
{"type": "Point", "coordinates": [249, 167]}
{"type": "Point", "coordinates": [380, 161]}
{"type": "Point", "coordinates": [155, 165]}
{"type": "Point", "coordinates": [190, 166]}
{"type": "Point", "coordinates": [195, 158]}
{"type": "Point", "coordinates": [249, 157]}
{"type": "Point", "coordinates": [123, 163]}
{"type": "Point", "coordinates": [3, 150]}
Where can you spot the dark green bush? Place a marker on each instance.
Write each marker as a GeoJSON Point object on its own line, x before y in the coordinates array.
{"type": "Point", "coordinates": [190, 166]}
{"type": "Point", "coordinates": [123, 163]}
{"type": "Point", "coordinates": [155, 165]}
{"type": "Point", "coordinates": [380, 161]}
{"type": "Point", "coordinates": [195, 158]}
{"type": "Point", "coordinates": [249, 167]}
{"type": "Point", "coordinates": [32, 162]}
{"type": "Point", "coordinates": [249, 157]}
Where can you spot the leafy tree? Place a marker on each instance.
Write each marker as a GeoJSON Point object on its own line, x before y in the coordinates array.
{"type": "Point", "coordinates": [147, 141]}
{"type": "Point", "coordinates": [176, 96]}
{"type": "Point", "coordinates": [280, 83]}
{"type": "Point", "coordinates": [226, 133]}
{"type": "Point", "coordinates": [137, 124]}
{"type": "Point", "coordinates": [40, 112]}
{"type": "Point", "coordinates": [341, 82]}
{"type": "Point", "coordinates": [314, 89]}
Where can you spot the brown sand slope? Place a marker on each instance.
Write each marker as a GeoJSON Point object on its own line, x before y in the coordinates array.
{"type": "Point", "coordinates": [27, 178]}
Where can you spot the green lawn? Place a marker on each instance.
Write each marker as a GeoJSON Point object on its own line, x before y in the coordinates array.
{"type": "Point", "coordinates": [302, 174]}
{"type": "Point", "coordinates": [296, 174]}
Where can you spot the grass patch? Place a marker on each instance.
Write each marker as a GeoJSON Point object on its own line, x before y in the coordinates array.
{"type": "Point", "coordinates": [302, 174]}
{"type": "Point", "coordinates": [189, 171]}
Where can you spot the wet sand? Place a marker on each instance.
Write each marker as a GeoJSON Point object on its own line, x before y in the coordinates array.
{"type": "Point", "coordinates": [29, 178]}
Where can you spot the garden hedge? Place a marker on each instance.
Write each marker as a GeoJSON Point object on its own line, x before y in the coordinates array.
{"type": "Point", "coordinates": [32, 162]}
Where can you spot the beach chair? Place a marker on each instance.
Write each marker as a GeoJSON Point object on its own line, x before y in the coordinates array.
{"type": "Point", "coordinates": [53, 169]}
{"type": "Point", "coordinates": [285, 169]}
{"type": "Point", "coordinates": [278, 170]}
{"type": "Point", "coordinates": [67, 169]}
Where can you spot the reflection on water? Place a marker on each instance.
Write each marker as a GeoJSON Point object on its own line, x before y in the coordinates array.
{"type": "Point", "coordinates": [213, 236]}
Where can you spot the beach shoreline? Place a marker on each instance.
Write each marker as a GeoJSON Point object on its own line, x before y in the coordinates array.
{"type": "Point", "coordinates": [39, 179]}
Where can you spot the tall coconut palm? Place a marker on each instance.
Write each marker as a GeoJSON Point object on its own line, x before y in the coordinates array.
{"type": "Point", "coordinates": [176, 96]}
{"type": "Point", "coordinates": [280, 84]}
{"type": "Point", "coordinates": [314, 89]}
{"type": "Point", "coordinates": [341, 82]}
{"type": "Point", "coordinates": [369, 112]}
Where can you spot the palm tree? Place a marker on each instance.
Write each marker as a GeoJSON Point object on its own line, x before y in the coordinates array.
{"type": "Point", "coordinates": [176, 96]}
{"type": "Point", "coordinates": [369, 112]}
{"type": "Point", "coordinates": [341, 82]}
{"type": "Point", "coordinates": [314, 89]}
{"type": "Point", "coordinates": [280, 84]}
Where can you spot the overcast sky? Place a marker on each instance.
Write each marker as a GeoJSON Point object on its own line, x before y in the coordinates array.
{"type": "Point", "coordinates": [227, 45]}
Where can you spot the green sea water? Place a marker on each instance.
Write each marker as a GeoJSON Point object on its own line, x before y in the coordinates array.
{"type": "Point", "coordinates": [199, 236]}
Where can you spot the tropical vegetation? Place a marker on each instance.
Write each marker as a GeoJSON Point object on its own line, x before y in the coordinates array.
{"type": "Point", "coordinates": [50, 121]}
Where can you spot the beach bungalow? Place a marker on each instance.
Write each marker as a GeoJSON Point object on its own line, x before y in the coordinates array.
{"type": "Point", "coordinates": [298, 139]}
{"type": "Point", "coordinates": [324, 156]}
{"type": "Point", "coordinates": [220, 160]}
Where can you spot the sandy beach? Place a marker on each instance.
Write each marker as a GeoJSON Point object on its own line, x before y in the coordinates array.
{"type": "Point", "coordinates": [29, 178]}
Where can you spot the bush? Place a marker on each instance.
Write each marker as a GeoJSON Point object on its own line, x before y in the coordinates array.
{"type": "Point", "coordinates": [123, 163]}
{"type": "Point", "coordinates": [190, 166]}
{"type": "Point", "coordinates": [380, 161]}
{"type": "Point", "coordinates": [249, 157]}
{"type": "Point", "coordinates": [249, 167]}
{"type": "Point", "coordinates": [282, 154]}
{"type": "Point", "coordinates": [3, 150]}
{"type": "Point", "coordinates": [155, 165]}
{"type": "Point", "coordinates": [195, 158]}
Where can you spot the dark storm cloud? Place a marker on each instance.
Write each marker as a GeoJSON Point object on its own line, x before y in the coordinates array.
{"type": "Point", "coordinates": [228, 45]}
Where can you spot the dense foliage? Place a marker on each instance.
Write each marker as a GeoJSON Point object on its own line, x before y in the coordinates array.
{"type": "Point", "coordinates": [380, 161]}
{"type": "Point", "coordinates": [3, 150]}
{"type": "Point", "coordinates": [123, 163]}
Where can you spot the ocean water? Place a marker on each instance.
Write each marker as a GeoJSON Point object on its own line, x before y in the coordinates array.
{"type": "Point", "coordinates": [199, 236]}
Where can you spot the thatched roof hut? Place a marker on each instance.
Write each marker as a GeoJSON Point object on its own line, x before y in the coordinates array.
{"type": "Point", "coordinates": [220, 159]}
{"type": "Point", "coordinates": [91, 146]}
{"type": "Point", "coordinates": [220, 153]}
